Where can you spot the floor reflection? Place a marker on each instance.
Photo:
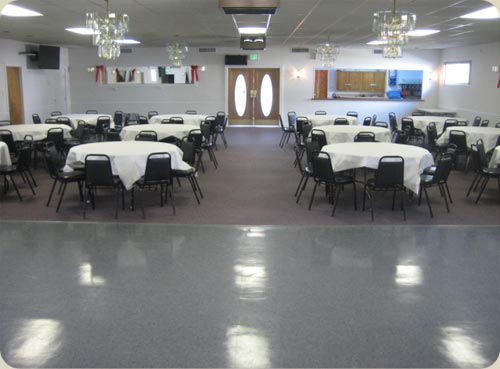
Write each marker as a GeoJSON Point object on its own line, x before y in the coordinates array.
{"type": "Point", "coordinates": [247, 348]}
{"type": "Point", "coordinates": [461, 348]}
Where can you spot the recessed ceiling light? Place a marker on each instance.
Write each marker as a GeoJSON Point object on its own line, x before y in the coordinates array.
{"type": "Point", "coordinates": [128, 41]}
{"type": "Point", "coordinates": [252, 30]}
{"type": "Point", "coordinates": [376, 42]}
{"type": "Point", "coordinates": [486, 13]}
{"type": "Point", "coordinates": [16, 11]}
{"type": "Point", "coordinates": [422, 32]}
{"type": "Point", "coordinates": [81, 30]}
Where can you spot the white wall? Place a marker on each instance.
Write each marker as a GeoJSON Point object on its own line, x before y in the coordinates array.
{"type": "Point", "coordinates": [209, 95]}
{"type": "Point", "coordinates": [481, 97]}
{"type": "Point", "coordinates": [43, 90]}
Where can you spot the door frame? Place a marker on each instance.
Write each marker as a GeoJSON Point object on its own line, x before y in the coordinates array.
{"type": "Point", "coordinates": [281, 88]}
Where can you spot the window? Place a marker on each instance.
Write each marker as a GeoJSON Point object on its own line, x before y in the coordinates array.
{"type": "Point", "coordinates": [457, 73]}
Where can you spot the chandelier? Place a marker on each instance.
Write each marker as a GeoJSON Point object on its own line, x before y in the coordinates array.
{"type": "Point", "coordinates": [327, 53]}
{"type": "Point", "coordinates": [108, 31]}
{"type": "Point", "coordinates": [177, 52]}
{"type": "Point", "coordinates": [391, 28]}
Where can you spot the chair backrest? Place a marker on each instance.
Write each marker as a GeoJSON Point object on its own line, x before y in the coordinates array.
{"type": "Point", "coordinates": [299, 123]}
{"type": "Point", "coordinates": [390, 172]}
{"type": "Point", "coordinates": [459, 139]}
{"type": "Point", "coordinates": [382, 124]}
{"type": "Point", "coordinates": [311, 147]}
{"type": "Point", "coordinates": [322, 166]}
{"type": "Point", "coordinates": [112, 135]}
{"type": "Point", "coordinates": [432, 134]}
{"type": "Point", "coordinates": [212, 121]}
{"type": "Point", "coordinates": [7, 137]}
{"type": "Point", "coordinates": [320, 112]}
{"type": "Point", "coordinates": [36, 118]}
{"type": "Point", "coordinates": [152, 113]}
{"type": "Point", "coordinates": [52, 160]}
{"type": "Point", "coordinates": [55, 113]}
{"type": "Point", "coordinates": [56, 135]}
{"type": "Point", "coordinates": [393, 121]}
{"type": "Point", "coordinates": [482, 153]}
{"type": "Point", "coordinates": [118, 118]}
{"type": "Point", "coordinates": [188, 153]}
{"type": "Point", "coordinates": [176, 120]}
{"type": "Point", "coordinates": [23, 158]}
{"type": "Point", "coordinates": [292, 117]}
{"type": "Point", "coordinates": [341, 122]}
{"type": "Point", "coordinates": [102, 125]}
{"type": "Point", "coordinates": [319, 136]}
{"type": "Point", "coordinates": [306, 128]}
{"type": "Point", "coordinates": [64, 120]}
{"type": "Point", "coordinates": [142, 119]}
{"type": "Point", "coordinates": [220, 117]}
{"type": "Point", "coordinates": [79, 132]}
{"type": "Point", "coordinates": [206, 131]}
{"type": "Point", "coordinates": [407, 124]}
{"type": "Point", "coordinates": [476, 121]}
{"type": "Point", "coordinates": [147, 135]}
{"type": "Point", "coordinates": [364, 137]}
{"type": "Point", "coordinates": [443, 168]}
{"type": "Point", "coordinates": [367, 121]}
{"type": "Point", "coordinates": [374, 119]}
{"type": "Point", "coordinates": [98, 170]}
{"type": "Point", "coordinates": [91, 111]}
{"type": "Point", "coordinates": [191, 112]}
{"type": "Point", "coordinates": [352, 113]}
{"type": "Point", "coordinates": [485, 123]}
{"type": "Point", "coordinates": [400, 137]}
{"type": "Point", "coordinates": [450, 123]}
{"type": "Point", "coordinates": [497, 125]}
{"type": "Point", "coordinates": [196, 137]}
{"type": "Point", "coordinates": [131, 118]}
{"type": "Point", "coordinates": [158, 167]}
{"type": "Point", "coordinates": [51, 121]}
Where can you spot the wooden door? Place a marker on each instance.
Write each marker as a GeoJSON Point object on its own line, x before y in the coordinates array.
{"type": "Point", "coordinates": [321, 84]}
{"type": "Point", "coordinates": [380, 80]}
{"type": "Point", "coordinates": [253, 96]}
{"type": "Point", "coordinates": [15, 95]}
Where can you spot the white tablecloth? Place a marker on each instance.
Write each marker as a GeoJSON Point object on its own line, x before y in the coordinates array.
{"type": "Point", "coordinates": [38, 131]}
{"type": "Point", "coordinates": [325, 120]}
{"type": "Point", "coordinates": [367, 154]}
{"type": "Point", "coordinates": [421, 122]}
{"type": "Point", "coordinates": [90, 119]}
{"type": "Point", "coordinates": [495, 157]}
{"type": "Point", "coordinates": [191, 119]}
{"type": "Point", "coordinates": [4, 154]}
{"type": "Point", "coordinates": [128, 158]}
{"type": "Point", "coordinates": [436, 111]}
{"type": "Point", "coordinates": [162, 130]}
{"type": "Point", "coordinates": [339, 134]}
{"type": "Point", "coordinates": [472, 134]}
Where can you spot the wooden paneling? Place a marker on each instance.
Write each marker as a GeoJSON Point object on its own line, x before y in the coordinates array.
{"type": "Point", "coordinates": [361, 81]}
{"type": "Point", "coordinates": [15, 95]}
{"type": "Point", "coordinates": [321, 84]}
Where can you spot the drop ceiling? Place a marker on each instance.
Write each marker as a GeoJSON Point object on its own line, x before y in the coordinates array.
{"type": "Point", "coordinates": [298, 23]}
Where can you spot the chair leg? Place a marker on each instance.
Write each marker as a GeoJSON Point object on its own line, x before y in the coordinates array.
{"type": "Point", "coordinates": [447, 190]}
{"type": "Point", "coordinates": [312, 195]}
{"type": "Point", "coordinates": [302, 189]}
{"type": "Point", "coordinates": [355, 195]}
{"type": "Point", "coordinates": [197, 186]}
{"type": "Point", "coordinates": [15, 187]}
{"type": "Point", "coordinates": [486, 179]}
{"type": "Point", "coordinates": [282, 141]}
{"type": "Point", "coordinates": [300, 184]}
{"type": "Point", "coordinates": [403, 207]}
{"type": "Point", "coordinates": [336, 191]}
{"type": "Point", "coordinates": [169, 190]}
{"type": "Point", "coordinates": [445, 197]}
{"type": "Point", "coordinates": [428, 202]}
{"type": "Point", "coordinates": [51, 192]}
{"type": "Point", "coordinates": [61, 197]}
{"type": "Point", "coordinates": [476, 178]}
{"type": "Point", "coordinates": [193, 186]}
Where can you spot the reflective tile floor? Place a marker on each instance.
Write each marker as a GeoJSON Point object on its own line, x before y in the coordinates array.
{"type": "Point", "coordinates": [145, 295]}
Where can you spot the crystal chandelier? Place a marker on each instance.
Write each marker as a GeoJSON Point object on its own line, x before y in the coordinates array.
{"type": "Point", "coordinates": [108, 31]}
{"type": "Point", "coordinates": [327, 53]}
{"type": "Point", "coordinates": [176, 53]}
{"type": "Point", "coordinates": [392, 29]}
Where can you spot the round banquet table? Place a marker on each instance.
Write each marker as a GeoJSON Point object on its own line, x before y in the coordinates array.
{"type": "Point", "coordinates": [495, 157]}
{"type": "Point", "coordinates": [339, 134]}
{"type": "Point", "coordinates": [421, 122]}
{"type": "Point", "coordinates": [4, 154]}
{"type": "Point", "coordinates": [367, 154]}
{"type": "Point", "coordinates": [128, 158]}
{"type": "Point", "coordinates": [38, 131]}
{"type": "Point", "coordinates": [190, 119]}
{"type": "Point", "coordinates": [326, 120]}
{"type": "Point", "coordinates": [90, 119]}
{"type": "Point", "coordinates": [162, 130]}
{"type": "Point", "coordinates": [489, 135]}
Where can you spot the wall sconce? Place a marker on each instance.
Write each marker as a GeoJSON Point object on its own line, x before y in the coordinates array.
{"type": "Point", "coordinates": [299, 74]}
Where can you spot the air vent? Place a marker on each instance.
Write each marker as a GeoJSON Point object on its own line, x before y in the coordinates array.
{"type": "Point", "coordinates": [378, 51]}
{"type": "Point", "coordinates": [207, 49]}
{"type": "Point", "coordinates": [249, 6]}
{"type": "Point", "coordinates": [126, 51]}
{"type": "Point", "coordinates": [300, 50]}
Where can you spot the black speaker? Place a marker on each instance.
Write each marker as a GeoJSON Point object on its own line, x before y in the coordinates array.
{"type": "Point", "coordinates": [236, 60]}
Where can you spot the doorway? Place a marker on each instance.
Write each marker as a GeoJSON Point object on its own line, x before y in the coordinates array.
{"type": "Point", "coordinates": [15, 95]}
{"type": "Point", "coordinates": [253, 96]}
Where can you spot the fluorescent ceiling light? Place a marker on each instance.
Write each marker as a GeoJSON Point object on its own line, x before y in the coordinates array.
{"type": "Point", "coordinates": [252, 30]}
{"type": "Point", "coordinates": [422, 32]}
{"type": "Point", "coordinates": [128, 41]}
{"type": "Point", "coordinates": [16, 11]}
{"type": "Point", "coordinates": [377, 42]}
{"type": "Point", "coordinates": [81, 30]}
{"type": "Point", "coordinates": [486, 13]}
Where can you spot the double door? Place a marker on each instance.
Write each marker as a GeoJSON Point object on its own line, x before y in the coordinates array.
{"type": "Point", "coordinates": [253, 95]}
